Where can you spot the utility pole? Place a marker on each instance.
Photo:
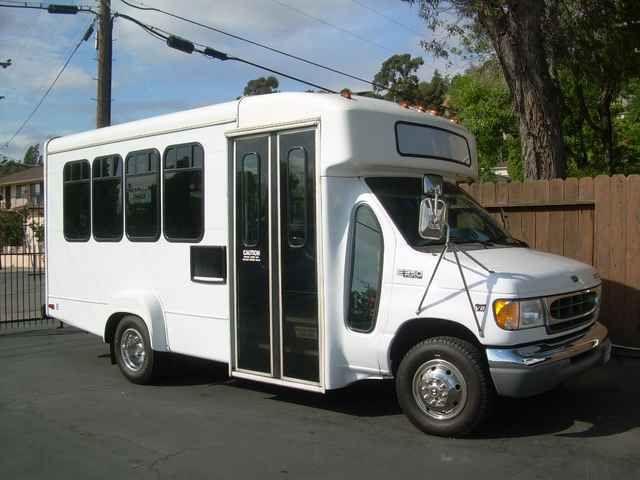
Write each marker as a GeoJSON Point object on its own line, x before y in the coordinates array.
{"type": "Point", "coordinates": [103, 112]}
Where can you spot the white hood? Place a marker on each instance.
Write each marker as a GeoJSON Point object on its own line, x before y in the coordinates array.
{"type": "Point", "coordinates": [518, 271]}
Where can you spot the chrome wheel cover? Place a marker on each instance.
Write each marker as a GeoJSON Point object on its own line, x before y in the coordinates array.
{"type": "Point", "coordinates": [439, 389]}
{"type": "Point", "coordinates": [132, 349]}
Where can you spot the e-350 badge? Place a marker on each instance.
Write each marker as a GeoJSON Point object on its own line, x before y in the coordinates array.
{"type": "Point", "coordinates": [408, 273]}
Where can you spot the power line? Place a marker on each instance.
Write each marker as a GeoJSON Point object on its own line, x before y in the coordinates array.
{"type": "Point", "coordinates": [387, 17]}
{"type": "Point", "coordinates": [50, 7]}
{"type": "Point", "coordinates": [374, 84]}
{"type": "Point", "coordinates": [83, 39]}
{"type": "Point", "coordinates": [255, 43]}
{"type": "Point", "coordinates": [267, 47]}
{"type": "Point", "coordinates": [24, 5]}
{"type": "Point", "coordinates": [336, 27]}
{"type": "Point", "coordinates": [188, 46]}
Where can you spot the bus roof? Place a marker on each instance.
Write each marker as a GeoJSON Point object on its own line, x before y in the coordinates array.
{"type": "Point", "coordinates": [360, 135]}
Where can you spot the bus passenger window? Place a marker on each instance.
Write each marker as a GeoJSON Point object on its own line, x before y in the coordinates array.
{"type": "Point", "coordinates": [250, 199]}
{"type": "Point", "coordinates": [142, 201]}
{"type": "Point", "coordinates": [76, 201]}
{"type": "Point", "coordinates": [297, 197]}
{"type": "Point", "coordinates": [366, 271]}
{"type": "Point", "coordinates": [183, 193]}
{"type": "Point", "coordinates": [107, 198]}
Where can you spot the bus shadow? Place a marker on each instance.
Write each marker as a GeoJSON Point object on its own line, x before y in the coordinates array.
{"type": "Point", "coordinates": [366, 398]}
{"type": "Point", "coordinates": [182, 370]}
{"type": "Point", "coordinates": [599, 403]}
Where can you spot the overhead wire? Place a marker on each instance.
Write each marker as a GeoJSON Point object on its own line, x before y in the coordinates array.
{"type": "Point", "coordinates": [387, 17]}
{"type": "Point", "coordinates": [216, 54]}
{"type": "Point", "coordinates": [83, 39]}
{"type": "Point", "coordinates": [253, 42]}
{"type": "Point", "coordinates": [377, 86]}
{"type": "Point", "coordinates": [160, 34]}
{"type": "Point", "coordinates": [43, 6]}
{"type": "Point", "coordinates": [329, 24]}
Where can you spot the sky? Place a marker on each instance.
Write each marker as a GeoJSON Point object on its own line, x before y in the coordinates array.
{"type": "Point", "coordinates": [151, 79]}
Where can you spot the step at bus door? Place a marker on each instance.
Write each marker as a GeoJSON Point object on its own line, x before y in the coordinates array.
{"type": "Point", "coordinates": [275, 329]}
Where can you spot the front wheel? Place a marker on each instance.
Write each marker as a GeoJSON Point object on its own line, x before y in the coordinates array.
{"type": "Point", "coordinates": [444, 387]}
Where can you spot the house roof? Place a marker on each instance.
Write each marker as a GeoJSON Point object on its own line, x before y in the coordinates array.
{"type": "Point", "coordinates": [31, 175]}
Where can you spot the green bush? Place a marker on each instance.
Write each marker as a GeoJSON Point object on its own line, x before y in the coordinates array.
{"type": "Point", "coordinates": [11, 229]}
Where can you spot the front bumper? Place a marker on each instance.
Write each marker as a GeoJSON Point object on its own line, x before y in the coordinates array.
{"type": "Point", "coordinates": [533, 369]}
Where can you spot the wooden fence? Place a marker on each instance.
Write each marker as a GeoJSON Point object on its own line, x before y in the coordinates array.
{"type": "Point", "coordinates": [594, 220]}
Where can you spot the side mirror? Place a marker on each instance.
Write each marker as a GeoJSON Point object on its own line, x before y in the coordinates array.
{"type": "Point", "coordinates": [433, 219]}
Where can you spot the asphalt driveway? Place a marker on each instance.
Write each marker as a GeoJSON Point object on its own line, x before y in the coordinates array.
{"type": "Point", "coordinates": [67, 413]}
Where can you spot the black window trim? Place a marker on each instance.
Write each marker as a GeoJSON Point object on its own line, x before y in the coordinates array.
{"type": "Point", "coordinates": [158, 173]}
{"type": "Point", "coordinates": [306, 196]}
{"type": "Point", "coordinates": [435, 157]}
{"type": "Point", "coordinates": [163, 215]}
{"type": "Point", "coordinates": [242, 187]}
{"type": "Point", "coordinates": [98, 179]}
{"type": "Point", "coordinates": [89, 181]}
{"type": "Point", "coordinates": [352, 237]}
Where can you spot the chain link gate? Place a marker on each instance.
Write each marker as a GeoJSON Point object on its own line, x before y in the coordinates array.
{"type": "Point", "coordinates": [22, 268]}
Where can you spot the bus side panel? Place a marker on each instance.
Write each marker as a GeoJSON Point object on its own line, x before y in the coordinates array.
{"type": "Point", "coordinates": [351, 355]}
{"type": "Point", "coordinates": [197, 314]}
{"type": "Point", "coordinates": [87, 279]}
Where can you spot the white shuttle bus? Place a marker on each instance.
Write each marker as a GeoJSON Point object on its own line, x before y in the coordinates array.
{"type": "Point", "coordinates": [311, 240]}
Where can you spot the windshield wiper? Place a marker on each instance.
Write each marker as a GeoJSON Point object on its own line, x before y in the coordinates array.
{"type": "Point", "coordinates": [492, 243]}
{"type": "Point", "coordinates": [511, 241]}
{"type": "Point", "coordinates": [463, 241]}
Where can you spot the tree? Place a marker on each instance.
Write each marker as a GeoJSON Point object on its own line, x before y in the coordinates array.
{"type": "Point", "coordinates": [433, 94]}
{"type": "Point", "coordinates": [11, 228]}
{"type": "Point", "coordinates": [8, 166]}
{"type": "Point", "coordinates": [398, 76]}
{"type": "Point", "coordinates": [628, 127]}
{"type": "Point", "coordinates": [482, 102]}
{"type": "Point", "coordinates": [261, 86]}
{"type": "Point", "coordinates": [594, 45]}
{"type": "Point", "coordinates": [516, 31]}
{"type": "Point", "coordinates": [32, 155]}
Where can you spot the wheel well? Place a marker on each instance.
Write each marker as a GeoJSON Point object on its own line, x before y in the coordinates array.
{"type": "Point", "coordinates": [112, 324]}
{"type": "Point", "coordinates": [413, 331]}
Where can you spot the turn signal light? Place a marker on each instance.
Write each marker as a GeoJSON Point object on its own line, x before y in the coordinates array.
{"type": "Point", "coordinates": [507, 314]}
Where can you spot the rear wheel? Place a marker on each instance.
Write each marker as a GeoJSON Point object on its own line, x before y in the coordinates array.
{"type": "Point", "coordinates": [133, 352]}
{"type": "Point", "coordinates": [443, 386]}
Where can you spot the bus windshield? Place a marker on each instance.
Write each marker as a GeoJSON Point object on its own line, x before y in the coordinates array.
{"type": "Point", "coordinates": [468, 222]}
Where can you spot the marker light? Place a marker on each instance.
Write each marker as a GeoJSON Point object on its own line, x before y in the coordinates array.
{"type": "Point", "coordinates": [346, 93]}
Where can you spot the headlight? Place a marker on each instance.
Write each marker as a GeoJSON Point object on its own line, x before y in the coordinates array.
{"type": "Point", "coordinates": [519, 314]}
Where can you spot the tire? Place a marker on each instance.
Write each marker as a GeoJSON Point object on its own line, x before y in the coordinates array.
{"type": "Point", "coordinates": [133, 352]}
{"type": "Point", "coordinates": [443, 386]}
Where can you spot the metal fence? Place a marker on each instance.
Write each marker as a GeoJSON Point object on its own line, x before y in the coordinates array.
{"type": "Point", "coordinates": [22, 268]}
